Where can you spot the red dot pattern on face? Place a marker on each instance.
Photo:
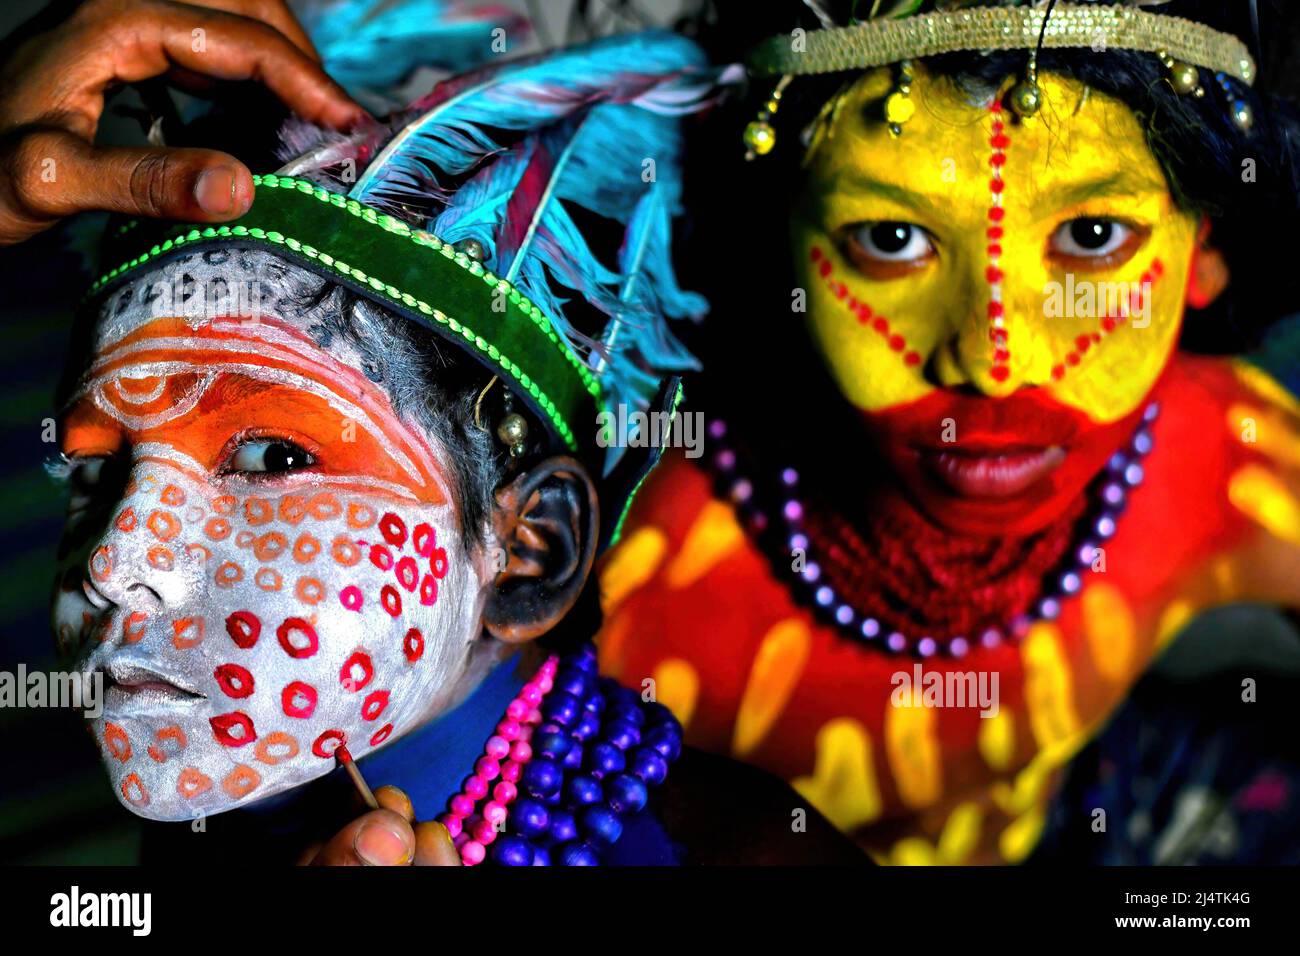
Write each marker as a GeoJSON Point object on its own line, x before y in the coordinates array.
{"type": "Point", "coordinates": [133, 627]}
{"type": "Point", "coordinates": [390, 599]}
{"type": "Point", "coordinates": [241, 781]}
{"type": "Point", "coordinates": [408, 573]}
{"type": "Point", "coordinates": [309, 590]}
{"type": "Point", "coordinates": [293, 508]}
{"type": "Point", "coordinates": [133, 791]}
{"type": "Point", "coordinates": [374, 704]}
{"type": "Point", "coordinates": [428, 590]}
{"type": "Point", "coordinates": [393, 529]}
{"type": "Point", "coordinates": [276, 748]}
{"type": "Point", "coordinates": [413, 645]}
{"type": "Point", "coordinates": [356, 671]}
{"type": "Point", "coordinates": [234, 729]}
{"type": "Point", "coordinates": [188, 632]}
{"type": "Point", "coordinates": [234, 681]}
{"type": "Point", "coordinates": [424, 539]}
{"type": "Point", "coordinates": [324, 506]}
{"type": "Point", "coordinates": [117, 742]}
{"type": "Point", "coordinates": [268, 579]}
{"type": "Point", "coordinates": [360, 516]}
{"type": "Point", "coordinates": [192, 782]}
{"type": "Point", "coordinates": [305, 549]}
{"type": "Point", "coordinates": [126, 521]}
{"type": "Point", "coordinates": [298, 700]}
{"type": "Point", "coordinates": [877, 323]}
{"type": "Point", "coordinates": [438, 563]}
{"type": "Point", "coordinates": [163, 524]}
{"type": "Point", "coordinates": [1110, 322]}
{"type": "Point", "coordinates": [258, 511]}
{"type": "Point", "coordinates": [167, 743]}
{"type": "Point", "coordinates": [101, 563]}
{"type": "Point", "coordinates": [998, 143]}
{"type": "Point", "coordinates": [243, 628]}
{"type": "Point", "coordinates": [407, 553]}
{"type": "Point", "coordinates": [351, 598]}
{"type": "Point", "coordinates": [297, 637]}
{"type": "Point", "coordinates": [329, 742]}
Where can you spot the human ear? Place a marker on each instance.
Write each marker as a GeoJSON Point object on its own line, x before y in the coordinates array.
{"type": "Point", "coordinates": [1208, 275]}
{"type": "Point", "coordinates": [547, 521]}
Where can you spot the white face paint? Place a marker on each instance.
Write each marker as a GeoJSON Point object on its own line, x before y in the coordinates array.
{"type": "Point", "coordinates": [277, 571]}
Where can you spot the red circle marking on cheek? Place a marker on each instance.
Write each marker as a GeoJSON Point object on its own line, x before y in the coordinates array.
{"type": "Point", "coordinates": [234, 681]}
{"type": "Point", "coordinates": [381, 735]}
{"type": "Point", "coordinates": [424, 539]}
{"type": "Point", "coordinates": [234, 729]}
{"type": "Point", "coordinates": [133, 791]}
{"type": "Point", "coordinates": [329, 742]}
{"type": "Point", "coordinates": [408, 573]}
{"type": "Point", "coordinates": [381, 557]}
{"type": "Point", "coordinates": [438, 563]}
{"type": "Point", "coordinates": [374, 704]}
{"type": "Point", "coordinates": [393, 529]}
{"type": "Point", "coordinates": [192, 782]}
{"type": "Point", "coordinates": [390, 599]}
{"type": "Point", "coordinates": [351, 597]}
{"type": "Point", "coordinates": [117, 742]}
{"type": "Point", "coordinates": [298, 699]}
{"type": "Point", "coordinates": [297, 637]}
{"type": "Point", "coordinates": [413, 645]}
{"type": "Point", "coordinates": [356, 671]}
{"type": "Point", "coordinates": [429, 590]}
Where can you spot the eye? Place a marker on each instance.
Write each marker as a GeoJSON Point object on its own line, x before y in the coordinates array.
{"type": "Point", "coordinates": [269, 456]}
{"type": "Point", "coordinates": [884, 250]}
{"type": "Point", "coordinates": [85, 475]}
{"type": "Point", "coordinates": [1090, 243]}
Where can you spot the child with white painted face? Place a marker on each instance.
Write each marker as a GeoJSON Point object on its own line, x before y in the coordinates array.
{"type": "Point", "coordinates": [332, 474]}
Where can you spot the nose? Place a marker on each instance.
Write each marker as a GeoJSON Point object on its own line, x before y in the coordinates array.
{"type": "Point", "coordinates": [996, 342]}
{"type": "Point", "coordinates": [140, 560]}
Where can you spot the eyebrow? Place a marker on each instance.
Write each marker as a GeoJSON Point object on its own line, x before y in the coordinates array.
{"type": "Point", "coordinates": [1114, 186]}
{"type": "Point", "coordinates": [861, 182]}
{"type": "Point", "coordinates": [1111, 187]}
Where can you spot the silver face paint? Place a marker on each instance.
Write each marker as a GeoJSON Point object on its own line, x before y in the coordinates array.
{"type": "Point", "coordinates": [247, 627]}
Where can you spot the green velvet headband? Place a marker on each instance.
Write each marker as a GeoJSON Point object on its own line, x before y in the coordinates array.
{"type": "Point", "coordinates": [407, 270]}
{"type": "Point", "coordinates": [404, 269]}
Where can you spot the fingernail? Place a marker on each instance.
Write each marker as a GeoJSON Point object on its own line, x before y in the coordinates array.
{"type": "Point", "coordinates": [377, 845]}
{"type": "Point", "coordinates": [215, 191]}
{"type": "Point", "coordinates": [443, 834]}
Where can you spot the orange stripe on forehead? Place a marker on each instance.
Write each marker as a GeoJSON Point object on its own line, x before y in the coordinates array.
{"type": "Point", "coordinates": [167, 366]}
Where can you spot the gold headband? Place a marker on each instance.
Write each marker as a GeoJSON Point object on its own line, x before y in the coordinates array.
{"type": "Point", "coordinates": [883, 41]}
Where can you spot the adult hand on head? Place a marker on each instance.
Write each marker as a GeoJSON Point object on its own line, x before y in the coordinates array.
{"type": "Point", "coordinates": [54, 85]}
{"type": "Point", "coordinates": [388, 836]}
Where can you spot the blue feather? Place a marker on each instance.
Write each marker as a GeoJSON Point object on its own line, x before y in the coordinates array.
{"type": "Point", "coordinates": [376, 44]}
{"type": "Point", "coordinates": [453, 129]}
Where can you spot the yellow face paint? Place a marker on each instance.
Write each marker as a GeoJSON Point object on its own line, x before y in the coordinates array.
{"type": "Point", "coordinates": [893, 243]}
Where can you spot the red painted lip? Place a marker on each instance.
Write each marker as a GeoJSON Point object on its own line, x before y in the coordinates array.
{"type": "Point", "coordinates": [991, 474]}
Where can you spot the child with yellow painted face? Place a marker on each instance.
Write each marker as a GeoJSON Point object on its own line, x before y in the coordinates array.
{"type": "Point", "coordinates": [933, 553]}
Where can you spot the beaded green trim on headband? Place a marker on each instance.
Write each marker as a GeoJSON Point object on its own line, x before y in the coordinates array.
{"type": "Point", "coordinates": [881, 42]}
{"type": "Point", "coordinates": [418, 269]}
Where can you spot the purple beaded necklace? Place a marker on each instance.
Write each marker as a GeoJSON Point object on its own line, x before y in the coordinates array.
{"type": "Point", "coordinates": [1110, 490]}
{"type": "Point", "coordinates": [573, 756]}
